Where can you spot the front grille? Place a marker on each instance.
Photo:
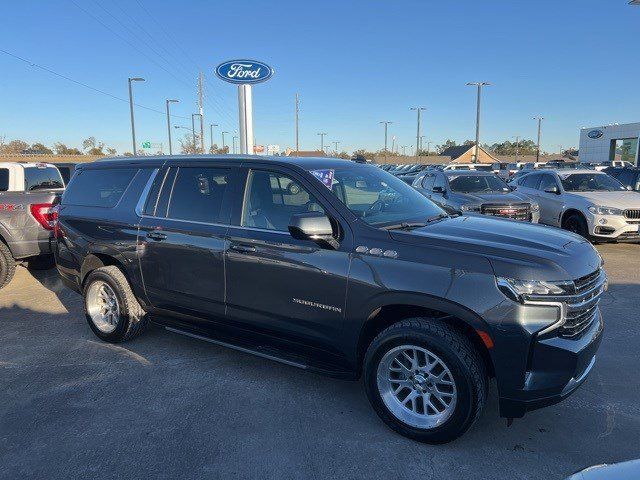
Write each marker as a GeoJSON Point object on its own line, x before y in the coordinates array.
{"type": "Point", "coordinates": [581, 306]}
{"type": "Point", "coordinates": [520, 211]}
{"type": "Point", "coordinates": [633, 214]}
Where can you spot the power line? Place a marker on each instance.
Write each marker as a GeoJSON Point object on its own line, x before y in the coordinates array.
{"type": "Point", "coordinates": [97, 90]}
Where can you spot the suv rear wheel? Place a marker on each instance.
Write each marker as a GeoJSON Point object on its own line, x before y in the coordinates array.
{"type": "Point", "coordinates": [425, 380]}
{"type": "Point", "coordinates": [111, 308]}
{"type": "Point", "coordinates": [7, 265]}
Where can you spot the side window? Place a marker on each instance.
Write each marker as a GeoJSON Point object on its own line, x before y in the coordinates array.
{"type": "Point", "coordinates": [428, 181]}
{"type": "Point", "coordinates": [197, 194]}
{"type": "Point", "coordinates": [626, 177]}
{"type": "Point", "coordinates": [530, 181]}
{"type": "Point", "coordinates": [4, 179]}
{"type": "Point", "coordinates": [440, 181]}
{"type": "Point", "coordinates": [98, 188]}
{"type": "Point", "coordinates": [418, 180]}
{"type": "Point", "coordinates": [547, 181]}
{"type": "Point", "coordinates": [272, 198]}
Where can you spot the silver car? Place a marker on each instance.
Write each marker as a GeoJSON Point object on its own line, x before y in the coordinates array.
{"type": "Point", "coordinates": [589, 203]}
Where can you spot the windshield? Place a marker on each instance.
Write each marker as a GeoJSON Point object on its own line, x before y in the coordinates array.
{"type": "Point", "coordinates": [377, 197]}
{"type": "Point", "coordinates": [590, 182]}
{"type": "Point", "coordinates": [477, 183]}
{"type": "Point", "coordinates": [42, 178]}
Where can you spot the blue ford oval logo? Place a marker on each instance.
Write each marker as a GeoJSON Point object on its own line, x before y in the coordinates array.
{"type": "Point", "coordinates": [595, 134]}
{"type": "Point", "coordinates": [244, 71]}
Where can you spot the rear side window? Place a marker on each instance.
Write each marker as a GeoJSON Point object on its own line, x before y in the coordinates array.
{"type": "Point", "coordinates": [197, 194]}
{"type": "Point", "coordinates": [37, 178]}
{"type": "Point", "coordinates": [4, 179]}
{"type": "Point", "coordinates": [427, 183]}
{"type": "Point", "coordinates": [530, 181]}
{"type": "Point", "coordinates": [98, 188]}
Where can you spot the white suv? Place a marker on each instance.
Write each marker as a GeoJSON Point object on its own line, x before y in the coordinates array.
{"type": "Point", "coordinates": [592, 204]}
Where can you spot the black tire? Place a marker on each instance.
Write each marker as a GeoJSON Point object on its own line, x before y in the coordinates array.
{"type": "Point", "coordinates": [576, 223]}
{"type": "Point", "coordinates": [7, 265]}
{"type": "Point", "coordinates": [132, 319]}
{"type": "Point", "coordinates": [41, 262]}
{"type": "Point", "coordinates": [458, 353]}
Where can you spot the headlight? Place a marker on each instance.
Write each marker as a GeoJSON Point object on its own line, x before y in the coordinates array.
{"type": "Point", "coordinates": [515, 289]}
{"type": "Point", "coordinates": [535, 207]}
{"type": "Point", "coordinates": [470, 208]}
{"type": "Point", "coordinates": [598, 210]}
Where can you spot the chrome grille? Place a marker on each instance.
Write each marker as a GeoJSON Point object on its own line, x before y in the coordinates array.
{"type": "Point", "coordinates": [633, 214]}
{"type": "Point", "coordinates": [581, 306]}
{"type": "Point", "coordinates": [520, 211]}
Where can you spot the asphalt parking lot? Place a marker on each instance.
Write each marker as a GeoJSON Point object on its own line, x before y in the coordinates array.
{"type": "Point", "coordinates": [166, 406]}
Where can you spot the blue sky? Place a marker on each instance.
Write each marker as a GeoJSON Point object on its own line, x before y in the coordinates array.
{"type": "Point", "coordinates": [354, 63]}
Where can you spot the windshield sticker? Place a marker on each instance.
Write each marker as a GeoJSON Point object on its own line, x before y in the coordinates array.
{"type": "Point", "coordinates": [325, 176]}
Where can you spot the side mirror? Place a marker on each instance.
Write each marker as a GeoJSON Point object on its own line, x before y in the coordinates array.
{"type": "Point", "coordinates": [552, 189]}
{"type": "Point", "coordinates": [438, 189]}
{"type": "Point", "coordinates": [629, 187]}
{"type": "Point", "coordinates": [314, 226]}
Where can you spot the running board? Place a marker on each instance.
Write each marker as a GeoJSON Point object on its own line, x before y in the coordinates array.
{"type": "Point", "coordinates": [238, 348]}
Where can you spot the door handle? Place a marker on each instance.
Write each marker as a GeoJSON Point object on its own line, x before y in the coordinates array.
{"type": "Point", "coordinates": [156, 236]}
{"type": "Point", "coordinates": [243, 248]}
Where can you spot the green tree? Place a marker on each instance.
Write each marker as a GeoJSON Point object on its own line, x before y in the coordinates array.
{"type": "Point", "coordinates": [40, 147]}
{"type": "Point", "coordinates": [14, 147]}
{"type": "Point", "coordinates": [448, 143]}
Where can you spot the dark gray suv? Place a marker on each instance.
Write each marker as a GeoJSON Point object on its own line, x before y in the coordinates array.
{"type": "Point", "coordinates": [341, 268]}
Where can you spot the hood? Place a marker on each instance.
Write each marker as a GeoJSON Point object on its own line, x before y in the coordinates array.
{"type": "Point", "coordinates": [621, 199]}
{"type": "Point", "coordinates": [515, 249]}
{"type": "Point", "coordinates": [489, 197]}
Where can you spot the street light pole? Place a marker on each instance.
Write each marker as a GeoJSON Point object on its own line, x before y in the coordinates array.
{"type": "Point", "coordinates": [211, 127]}
{"type": "Point", "coordinates": [322, 134]}
{"type": "Point", "coordinates": [335, 146]}
{"type": "Point", "coordinates": [429, 147]}
{"type": "Point", "coordinates": [133, 126]}
{"type": "Point", "coordinates": [539, 119]}
{"type": "Point", "coordinates": [386, 125]}
{"type": "Point", "coordinates": [419, 110]}
{"type": "Point", "coordinates": [169, 123]}
{"type": "Point", "coordinates": [234, 143]}
{"type": "Point", "coordinates": [517, 146]}
{"type": "Point", "coordinates": [403, 150]}
{"type": "Point", "coordinates": [479, 85]}
{"type": "Point", "coordinates": [223, 145]}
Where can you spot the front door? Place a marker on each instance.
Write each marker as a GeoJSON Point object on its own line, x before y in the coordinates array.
{"type": "Point", "coordinates": [182, 240]}
{"type": "Point", "coordinates": [276, 283]}
{"type": "Point", "coordinates": [551, 204]}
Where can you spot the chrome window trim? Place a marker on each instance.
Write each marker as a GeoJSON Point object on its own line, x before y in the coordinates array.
{"type": "Point", "coordinates": [145, 193]}
{"type": "Point", "coordinates": [226, 225]}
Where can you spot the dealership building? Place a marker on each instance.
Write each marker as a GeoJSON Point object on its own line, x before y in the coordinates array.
{"type": "Point", "coordinates": [610, 142]}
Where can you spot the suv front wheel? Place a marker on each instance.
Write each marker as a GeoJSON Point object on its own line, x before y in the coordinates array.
{"type": "Point", "coordinates": [425, 380]}
{"type": "Point", "coordinates": [111, 308]}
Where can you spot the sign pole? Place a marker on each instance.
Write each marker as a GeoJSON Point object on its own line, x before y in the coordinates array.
{"type": "Point", "coordinates": [245, 106]}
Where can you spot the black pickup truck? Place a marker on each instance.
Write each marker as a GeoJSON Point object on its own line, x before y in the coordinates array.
{"type": "Point", "coordinates": [341, 268]}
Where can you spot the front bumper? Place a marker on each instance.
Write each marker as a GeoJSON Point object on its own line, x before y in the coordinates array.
{"type": "Point", "coordinates": [613, 227]}
{"type": "Point", "coordinates": [556, 368]}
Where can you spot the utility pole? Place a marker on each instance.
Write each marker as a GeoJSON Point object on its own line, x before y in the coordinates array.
{"type": "Point", "coordinates": [393, 143]}
{"type": "Point", "coordinates": [421, 141]}
{"type": "Point", "coordinates": [211, 134]}
{"type": "Point", "coordinates": [539, 119]}
{"type": "Point", "coordinates": [133, 126]}
{"type": "Point", "coordinates": [322, 134]}
{"type": "Point", "coordinates": [201, 108]}
{"type": "Point", "coordinates": [223, 145]}
{"type": "Point", "coordinates": [234, 143]}
{"type": "Point", "coordinates": [169, 123]}
{"type": "Point", "coordinates": [193, 131]}
{"type": "Point", "coordinates": [419, 110]}
{"type": "Point", "coordinates": [386, 125]}
{"type": "Point", "coordinates": [479, 85]}
{"type": "Point", "coordinates": [297, 116]}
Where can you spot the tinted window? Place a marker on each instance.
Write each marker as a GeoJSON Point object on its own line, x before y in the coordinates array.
{"type": "Point", "coordinates": [590, 182]}
{"type": "Point", "coordinates": [626, 177]}
{"type": "Point", "coordinates": [547, 181]}
{"type": "Point", "coordinates": [37, 178]}
{"type": "Point", "coordinates": [271, 198]}
{"type": "Point", "coordinates": [4, 179]}
{"type": "Point", "coordinates": [477, 183]}
{"type": "Point", "coordinates": [98, 188]}
{"type": "Point", "coordinates": [428, 181]}
{"type": "Point", "coordinates": [198, 193]}
{"type": "Point", "coordinates": [440, 181]}
{"type": "Point", "coordinates": [530, 181]}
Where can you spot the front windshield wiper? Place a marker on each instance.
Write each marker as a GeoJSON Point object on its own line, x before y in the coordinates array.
{"type": "Point", "coordinates": [411, 225]}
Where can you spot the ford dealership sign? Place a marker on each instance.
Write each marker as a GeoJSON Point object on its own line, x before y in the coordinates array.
{"type": "Point", "coordinates": [244, 71]}
{"type": "Point", "coordinates": [595, 134]}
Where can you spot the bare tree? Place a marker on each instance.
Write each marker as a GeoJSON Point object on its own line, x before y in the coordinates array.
{"type": "Point", "coordinates": [187, 144]}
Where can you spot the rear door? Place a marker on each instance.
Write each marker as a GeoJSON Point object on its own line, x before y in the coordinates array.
{"type": "Point", "coordinates": [182, 238]}
{"type": "Point", "coordinates": [551, 204]}
{"type": "Point", "coordinates": [276, 283]}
